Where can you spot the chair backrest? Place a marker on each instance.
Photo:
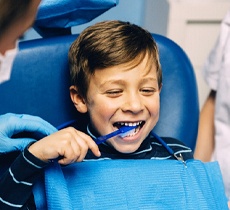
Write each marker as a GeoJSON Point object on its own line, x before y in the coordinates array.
{"type": "Point", "coordinates": [39, 86]}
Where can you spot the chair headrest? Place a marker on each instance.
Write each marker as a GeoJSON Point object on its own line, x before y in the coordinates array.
{"type": "Point", "coordinates": [56, 18]}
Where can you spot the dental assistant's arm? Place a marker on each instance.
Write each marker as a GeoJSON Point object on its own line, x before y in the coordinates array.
{"type": "Point", "coordinates": [206, 131]}
{"type": "Point", "coordinates": [14, 124]}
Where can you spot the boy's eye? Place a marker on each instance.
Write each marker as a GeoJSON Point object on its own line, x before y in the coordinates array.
{"type": "Point", "coordinates": [148, 91]}
{"type": "Point", "coordinates": [113, 93]}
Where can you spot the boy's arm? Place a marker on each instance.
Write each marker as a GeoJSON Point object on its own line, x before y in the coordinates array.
{"type": "Point", "coordinates": [16, 183]}
{"type": "Point", "coordinates": [69, 145]}
{"type": "Point", "coordinates": [206, 131]}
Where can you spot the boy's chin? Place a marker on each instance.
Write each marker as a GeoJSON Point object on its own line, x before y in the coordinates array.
{"type": "Point", "coordinates": [126, 149]}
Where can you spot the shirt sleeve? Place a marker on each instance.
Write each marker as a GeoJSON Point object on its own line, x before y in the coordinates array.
{"type": "Point", "coordinates": [17, 182]}
{"type": "Point", "coordinates": [214, 62]}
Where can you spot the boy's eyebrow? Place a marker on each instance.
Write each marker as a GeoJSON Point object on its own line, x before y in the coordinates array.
{"type": "Point", "coordinates": [121, 82]}
{"type": "Point", "coordinates": [149, 79]}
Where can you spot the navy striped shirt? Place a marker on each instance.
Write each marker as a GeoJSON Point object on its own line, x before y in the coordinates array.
{"type": "Point", "coordinates": [16, 184]}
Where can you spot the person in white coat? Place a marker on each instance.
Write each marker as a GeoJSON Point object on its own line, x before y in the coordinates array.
{"type": "Point", "coordinates": [213, 142]}
{"type": "Point", "coordinates": [15, 18]}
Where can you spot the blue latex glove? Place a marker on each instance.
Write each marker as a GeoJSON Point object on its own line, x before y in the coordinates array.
{"type": "Point", "coordinates": [12, 125]}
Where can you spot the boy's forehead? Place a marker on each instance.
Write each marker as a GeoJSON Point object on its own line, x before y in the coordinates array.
{"type": "Point", "coordinates": [145, 66]}
{"type": "Point", "coordinates": [146, 63]}
{"type": "Point", "coordinates": [115, 72]}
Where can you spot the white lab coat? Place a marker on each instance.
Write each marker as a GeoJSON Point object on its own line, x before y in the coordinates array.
{"type": "Point", "coordinates": [217, 75]}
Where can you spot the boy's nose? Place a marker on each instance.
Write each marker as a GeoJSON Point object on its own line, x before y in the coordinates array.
{"type": "Point", "coordinates": [133, 103]}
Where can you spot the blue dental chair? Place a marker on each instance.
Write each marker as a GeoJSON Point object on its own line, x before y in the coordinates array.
{"type": "Point", "coordinates": [39, 86]}
{"type": "Point", "coordinates": [40, 83]}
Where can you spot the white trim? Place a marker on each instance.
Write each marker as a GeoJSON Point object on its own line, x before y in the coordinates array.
{"type": "Point", "coordinates": [10, 204]}
{"type": "Point", "coordinates": [18, 182]}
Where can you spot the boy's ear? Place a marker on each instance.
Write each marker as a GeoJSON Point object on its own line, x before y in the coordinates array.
{"type": "Point", "coordinates": [78, 100]}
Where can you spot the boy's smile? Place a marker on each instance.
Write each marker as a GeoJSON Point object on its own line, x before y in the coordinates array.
{"type": "Point", "coordinates": [121, 95]}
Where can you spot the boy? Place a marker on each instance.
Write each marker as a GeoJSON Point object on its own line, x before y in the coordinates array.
{"type": "Point", "coordinates": [116, 79]}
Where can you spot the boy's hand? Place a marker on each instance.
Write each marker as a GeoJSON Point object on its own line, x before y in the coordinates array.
{"type": "Point", "coordinates": [69, 144]}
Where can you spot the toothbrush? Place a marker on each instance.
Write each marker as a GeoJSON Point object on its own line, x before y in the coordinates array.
{"type": "Point", "coordinates": [123, 131]}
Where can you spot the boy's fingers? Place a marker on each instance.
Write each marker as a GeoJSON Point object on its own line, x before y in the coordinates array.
{"type": "Point", "coordinates": [83, 150]}
{"type": "Point", "coordinates": [70, 154]}
{"type": "Point", "coordinates": [91, 144]}
{"type": "Point", "coordinates": [77, 150]}
{"type": "Point", "coordinates": [95, 151]}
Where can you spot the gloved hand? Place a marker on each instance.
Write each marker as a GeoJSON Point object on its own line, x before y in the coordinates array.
{"type": "Point", "coordinates": [12, 125]}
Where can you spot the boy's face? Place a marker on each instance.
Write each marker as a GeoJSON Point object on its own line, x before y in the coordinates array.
{"type": "Point", "coordinates": [119, 95]}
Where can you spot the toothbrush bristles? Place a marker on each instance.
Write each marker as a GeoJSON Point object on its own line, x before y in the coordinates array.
{"type": "Point", "coordinates": [129, 131]}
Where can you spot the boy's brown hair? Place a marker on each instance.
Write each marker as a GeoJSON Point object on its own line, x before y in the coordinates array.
{"type": "Point", "coordinates": [107, 44]}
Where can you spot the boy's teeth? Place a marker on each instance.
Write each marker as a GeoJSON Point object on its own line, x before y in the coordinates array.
{"type": "Point", "coordinates": [131, 124]}
{"type": "Point", "coordinates": [133, 133]}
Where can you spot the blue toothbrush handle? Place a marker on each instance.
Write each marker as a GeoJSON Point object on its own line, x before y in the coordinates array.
{"type": "Point", "coordinates": [122, 130]}
{"type": "Point", "coordinates": [102, 139]}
